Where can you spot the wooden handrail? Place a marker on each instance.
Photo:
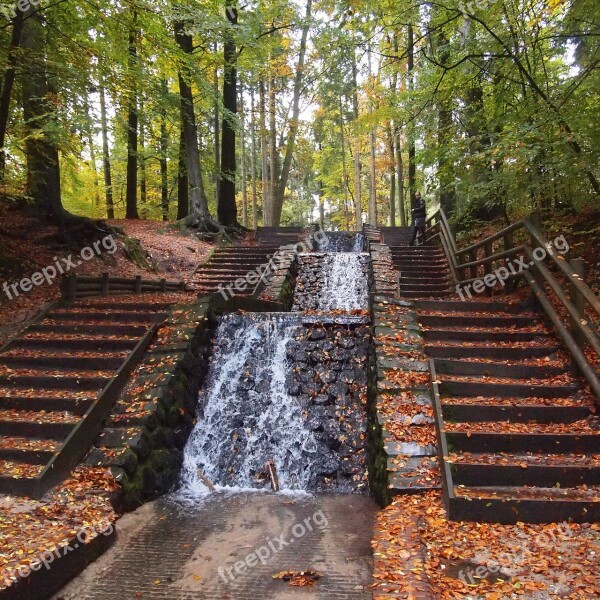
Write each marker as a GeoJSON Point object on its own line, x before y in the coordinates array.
{"type": "Point", "coordinates": [580, 329]}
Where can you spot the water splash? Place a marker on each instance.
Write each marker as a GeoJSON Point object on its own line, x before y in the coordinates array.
{"type": "Point", "coordinates": [345, 284]}
{"type": "Point", "coordinates": [246, 415]}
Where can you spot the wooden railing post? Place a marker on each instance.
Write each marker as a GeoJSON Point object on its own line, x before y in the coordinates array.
{"type": "Point", "coordinates": [72, 288]}
{"type": "Point", "coordinates": [138, 284]}
{"type": "Point", "coordinates": [488, 250]}
{"type": "Point", "coordinates": [163, 285]}
{"type": "Point", "coordinates": [105, 284]}
{"type": "Point", "coordinates": [578, 266]}
{"type": "Point", "coordinates": [509, 242]}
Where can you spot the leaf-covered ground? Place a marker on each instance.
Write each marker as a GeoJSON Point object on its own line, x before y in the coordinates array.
{"type": "Point", "coordinates": [537, 562]}
{"type": "Point", "coordinates": [30, 527]}
{"type": "Point", "coordinates": [173, 253]}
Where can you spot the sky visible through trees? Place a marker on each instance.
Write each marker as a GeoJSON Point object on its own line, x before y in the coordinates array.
{"type": "Point", "coordinates": [289, 112]}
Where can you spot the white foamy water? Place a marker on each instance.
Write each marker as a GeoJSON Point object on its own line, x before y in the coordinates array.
{"type": "Point", "coordinates": [246, 417]}
{"type": "Point", "coordinates": [346, 284]}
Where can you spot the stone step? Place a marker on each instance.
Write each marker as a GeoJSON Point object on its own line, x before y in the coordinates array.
{"type": "Point", "coordinates": [515, 413]}
{"type": "Point", "coordinates": [447, 366]}
{"type": "Point", "coordinates": [68, 345]}
{"type": "Point", "coordinates": [489, 351]}
{"type": "Point", "coordinates": [65, 363]}
{"type": "Point", "coordinates": [77, 406]}
{"type": "Point", "coordinates": [483, 335]}
{"type": "Point", "coordinates": [498, 321]}
{"type": "Point", "coordinates": [493, 442]}
{"type": "Point", "coordinates": [470, 306]}
{"type": "Point", "coordinates": [450, 387]}
{"type": "Point", "coordinates": [94, 315]}
{"type": "Point", "coordinates": [519, 470]}
{"type": "Point", "coordinates": [94, 329]}
{"type": "Point", "coordinates": [520, 504]}
{"type": "Point", "coordinates": [50, 382]}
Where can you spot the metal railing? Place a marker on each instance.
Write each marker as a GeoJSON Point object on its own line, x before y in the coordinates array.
{"type": "Point", "coordinates": [479, 260]}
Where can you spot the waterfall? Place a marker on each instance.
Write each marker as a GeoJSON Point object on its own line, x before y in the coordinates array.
{"type": "Point", "coordinates": [345, 285]}
{"type": "Point", "coordinates": [246, 416]}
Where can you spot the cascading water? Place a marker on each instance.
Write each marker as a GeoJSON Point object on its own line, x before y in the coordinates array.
{"type": "Point", "coordinates": [345, 285]}
{"type": "Point", "coordinates": [246, 416]}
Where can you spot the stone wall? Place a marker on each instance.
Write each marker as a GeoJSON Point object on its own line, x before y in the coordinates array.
{"type": "Point", "coordinates": [144, 437]}
{"type": "Point", "coordinates": [329, 378]}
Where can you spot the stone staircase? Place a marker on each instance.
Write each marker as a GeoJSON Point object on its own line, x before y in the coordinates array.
{"type": "Point", "coordinates": [231, 263]}
{"type": "Point", "coordinates": [422, 270]}
{"type": "Point", "coordinates": [519, 437]}
{"type": "Point", "coordinates": [59, 378]}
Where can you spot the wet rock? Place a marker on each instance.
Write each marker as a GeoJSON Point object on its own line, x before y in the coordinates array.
{"type": "Point", "coordinates": [317, 334]}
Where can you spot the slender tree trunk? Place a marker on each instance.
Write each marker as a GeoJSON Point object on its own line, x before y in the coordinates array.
{"type": "Point", "coordinates": [344, 165]}
{"type": "Point", "coordinates": [131, 211]}
{"type": "Point", "coordinates": [293, 128]}
{"type": "Point", "coordinates": [142, 165]}
{"type": "Point", "coordinates": [412, 166]}
{"type": "Point", "coordinates": [199, 214]}
{"type": "Point", "coordinates": [7, 86]}
{"type": "Point", "coordinates": [183, 184]}
{"type": "Point", "coordinates": [273, 161]}
{"type": "Point", "coordinates": [226, 206]}
{"type": "Point", "coordinates": [217, 125]}
{"type": "Point", "coordinates": [108, 189]}
{"type": "Point", "coordinates": [90, 139]}
{"type": "Point", "coordinates": [400, 174]}
{"type": "Point", "coordinates": [164, 166]}
{"type": "Point", "coordinates": [253, 159]}
{"type": "Point", "coordinates": [357, 165]}
{"type": "Point", "coordinates": [266, 188]}
{"type": "Point", "coordinates": [243, 160]}
{"type": "Point", "coordinates": [445, 138]}
{"type": "Point", "coordinates": [372, 158]}
{"type": "Point", "coordinates": [392, 160]}
{"type": "Point", "coordinates": [43, 167]}
{"type": "Point", "coordinates": [321, 205]}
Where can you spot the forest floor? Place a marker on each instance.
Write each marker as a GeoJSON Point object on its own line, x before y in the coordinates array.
{"type": "Point", "coordinates": [480, 561]}
{"type": "Point", "coordinates": [28, 245]}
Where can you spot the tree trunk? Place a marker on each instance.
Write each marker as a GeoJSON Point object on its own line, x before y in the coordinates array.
{"type": "Point", "coordinates": [357, 166]}
{"type": "Point", "coordinates": [445, 138]}
{"type": "Point", "coordinates": [199, 215]}
{"type": "Point", "coordinates": [293, 128]}
{"type": "Point", "coordinates": [183, 184]}
{"type": "Point", "coordinates": [266, 195]}
{"type": "Point", "coordinates": [243, 160]}
{"type": "Point", "coordinates": [412, 165]}
{"type": "Point", "coordinates": [253, 159]}
{"type": "Point", "coordinates": [108, 191]}
{"type": "Point", "coordinates": [226, 206]}
{"type": "Point", "coordinates": [344, 166]}
{"type": "Point", "coordinates": [7, 86]}
{"type": "Point", "coordinates": [217, 125]}
{"type": "Point", "coordinates": [43, 168]}
{"type": "Point", "coordinates": [164, 166]}
{"type": "Point", "coordinates": [392, 159]}
{"type": "Point", "coordinates": [273, 160]}
{"type": "Point", "coordinates": [131, 211]}
{"type": "Point", "coordinates": [142, 165]}
{"type": "Point", "coordinates": [90, 139]}
{"type": "Point", "coordinates": [400, 174]}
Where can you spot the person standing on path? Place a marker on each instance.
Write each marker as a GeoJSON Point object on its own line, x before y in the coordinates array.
{"type": "Point", "coordinates": [419, 213]}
